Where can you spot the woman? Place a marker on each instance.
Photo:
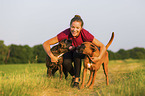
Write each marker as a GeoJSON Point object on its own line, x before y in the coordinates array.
{"type": "Point", "coordinates": [78, 35]}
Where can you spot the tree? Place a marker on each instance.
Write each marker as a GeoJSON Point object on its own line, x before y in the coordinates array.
{"type": "Point", "coordinates": [29, 53]}
{"type": "Point", "coordinates": [3, 52]}
{"type": "Point", "coordinates": [137, 53]}
{"type": "Point", "coordinates": [123, 54]}
{"type": "Point", "coordinates": [25, 54]}
{"type": "Point", "coordinates": [111, 55]}
{"type": "Point", "coordinates": [20, 54]}
{"type": "Point", "coordinates": [39, 53]}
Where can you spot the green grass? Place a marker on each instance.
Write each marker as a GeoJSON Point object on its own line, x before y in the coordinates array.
{"type": "Point", "coordinates": [126, 78]}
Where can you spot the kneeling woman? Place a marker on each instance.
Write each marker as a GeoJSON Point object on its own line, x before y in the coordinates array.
{"type": "Point", "coordinates": [78, 35]}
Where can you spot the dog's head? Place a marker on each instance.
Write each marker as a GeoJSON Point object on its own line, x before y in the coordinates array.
{"type": "Point", "coordinates": [87, 48]}
{"type": "Point", "coordinates": [63, 46]}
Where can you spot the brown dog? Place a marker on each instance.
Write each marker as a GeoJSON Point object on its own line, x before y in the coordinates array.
{"type": "Point", "coordinates": [92, 50]}
{"type": "Point", "coordinates": [58, 50]}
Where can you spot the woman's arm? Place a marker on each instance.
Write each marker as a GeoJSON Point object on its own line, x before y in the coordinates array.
{"type": "Point", "coordinates": [46, 46]}
{"type": "Point", "coordinates": [102, 49]}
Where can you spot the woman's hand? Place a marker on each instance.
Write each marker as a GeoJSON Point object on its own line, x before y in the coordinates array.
{"type": "Point", "coordinates": [54, 59]}
{"type": "Point", "coordinates": [95, 59]}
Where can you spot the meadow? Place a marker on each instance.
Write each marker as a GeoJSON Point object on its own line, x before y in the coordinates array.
{"type": "Point", "coordinates": [126, 78]}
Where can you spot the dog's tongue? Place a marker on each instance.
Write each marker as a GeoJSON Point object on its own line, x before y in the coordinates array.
{"type": "Point", "coordinates": [71, 47]}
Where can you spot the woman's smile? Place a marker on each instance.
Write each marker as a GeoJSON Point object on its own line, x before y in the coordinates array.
{"type": "Point", "coordinates": [75, 28]}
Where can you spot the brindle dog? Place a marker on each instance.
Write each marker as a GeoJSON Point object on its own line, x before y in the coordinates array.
{"type": "Point", "coordinates": [58, 50]}
{"type": "Point", "coordinates": [92, 50]}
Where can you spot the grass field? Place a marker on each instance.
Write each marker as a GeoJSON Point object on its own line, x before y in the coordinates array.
{"type": "Point", "coordinates": [126, 78]}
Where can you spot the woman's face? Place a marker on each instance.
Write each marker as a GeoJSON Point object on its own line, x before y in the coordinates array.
{"type": "Point", "coordinates": [75, 28]}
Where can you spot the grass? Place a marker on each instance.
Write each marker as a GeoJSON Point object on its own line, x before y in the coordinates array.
{"type": "Point", "coordinates": [126, 78]}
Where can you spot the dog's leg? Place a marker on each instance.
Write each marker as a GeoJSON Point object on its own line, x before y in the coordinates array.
{"type": "Point", "coordinates": [60, 71]}
{"type": "Point", "coordinates": [84, 76]}
{"type": "Point", "coordinates": [54, 70]}
{"type": "Point", "coordinates": [93, 80]}
{"type": "Point", "coordinates": [90, 78]}
{"type": "Point", "coordinates": [105, 68]}
{"type": "Point", "coordinates": [49, 72]}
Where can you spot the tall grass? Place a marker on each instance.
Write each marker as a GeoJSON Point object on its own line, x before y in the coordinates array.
{"type": "Point", "coordinates": [21, 79]}
{"type": "Point", "coordinates": [126, 78]}
{"type": "Point", "coordinates": [127, 84]}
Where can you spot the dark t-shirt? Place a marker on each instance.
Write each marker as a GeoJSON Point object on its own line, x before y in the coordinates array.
{"type": "Point", "coordinates": [84, 36]}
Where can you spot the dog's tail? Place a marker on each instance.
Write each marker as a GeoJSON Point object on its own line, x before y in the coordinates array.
{"type": "Point", "coordinates": [109, 43]}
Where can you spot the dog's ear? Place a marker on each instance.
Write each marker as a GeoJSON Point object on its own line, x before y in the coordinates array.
{"type": "Point", "coordinates": [93, 47]}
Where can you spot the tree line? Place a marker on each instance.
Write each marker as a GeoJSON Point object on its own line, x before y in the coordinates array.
{"type": "Point", "coordinates": [21, 54]}
{"type": "Point", "coordinates": [14, 54]}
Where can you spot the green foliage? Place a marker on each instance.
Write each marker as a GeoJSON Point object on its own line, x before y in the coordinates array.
{"type": "Point", "coordinates": [39, 54]}
{"type": "Point", "coordinates": [135, 53]}
{"type": "Point", "coordinates": [25, 54]}
{"type": "Point", "coordinates": [3, 52]}
{"type": "Point", "coordinates": [20, 54]}
{"type": "Point", "coordinates": [123, 54]}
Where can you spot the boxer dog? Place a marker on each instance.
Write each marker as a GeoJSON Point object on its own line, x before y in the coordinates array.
{"type": "Point", "coordinates": [58, 50]}
{"type": "Point", "coordinates": [92, 50]}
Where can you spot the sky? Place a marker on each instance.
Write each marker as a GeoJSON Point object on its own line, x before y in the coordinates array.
{"type": "Point", "coordinates": [32, 22]}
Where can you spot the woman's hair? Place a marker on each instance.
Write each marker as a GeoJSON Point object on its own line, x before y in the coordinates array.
{"type": "Point", "coordinates": [77, 18]}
